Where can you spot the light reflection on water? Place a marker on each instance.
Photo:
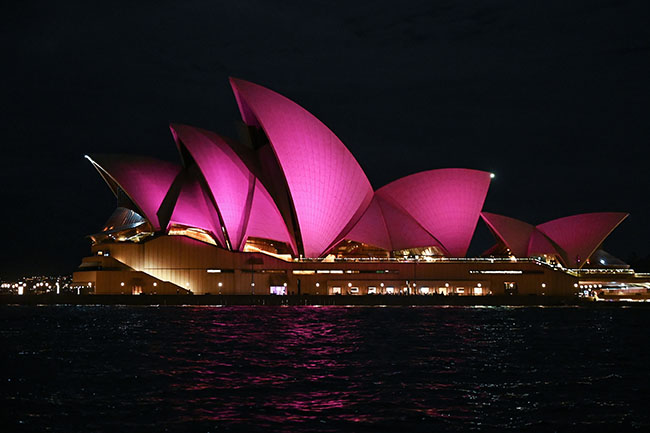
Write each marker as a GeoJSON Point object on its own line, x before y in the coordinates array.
{"type": "Point", "coordinates": [322, 369]}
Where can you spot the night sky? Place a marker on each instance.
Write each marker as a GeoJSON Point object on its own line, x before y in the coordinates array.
{"type": "Point", "coordinates": [553, 97]}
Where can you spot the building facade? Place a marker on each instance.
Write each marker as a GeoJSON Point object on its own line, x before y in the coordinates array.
{"type": "Point", "coordinates": [287, 209]}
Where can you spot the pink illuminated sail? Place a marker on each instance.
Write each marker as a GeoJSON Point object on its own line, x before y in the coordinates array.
{"type": "Point", "coordinates": [265, 220]}
{"type": "Point", "coordinates": [371, 228]}
{"type": "Point", "coordinates": [193, 209]}
{"type": "Point", "coordinates": [515, 234]}
{"type": "Point", "coordinates": [445, 202]}
{"type": "Point", "coordinates": [328, 189]}
{"type": "Point", "coordinates": [231, 183]}
{"type": "Point", "coordinates": [144, 180]}
{"type": "Point", "coordinates": [580, 235]}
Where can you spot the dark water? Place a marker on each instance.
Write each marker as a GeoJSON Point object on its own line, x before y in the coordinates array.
{"type": "Point", "coordinates": [303, 369]}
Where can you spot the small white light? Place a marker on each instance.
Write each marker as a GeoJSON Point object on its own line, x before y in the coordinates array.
{"type": "Point", "coordinates": [317, 284]}
{"type": "Point", "coordinates": [492, 175]}
{"type": "Point", "coordinates": [252, 284]}
{"type": "Point", "coordinates": [220, 284]}
{"type": "Point", "coordinates": [122, 284]}
{"type": "Point", "coordinates": [187, 284]}
{"type": "Point", "coordinates": [543, 284]}
{"type": "Point", "coordinates": [349, 284]}
{"type": "Point", "coordinates": [446, 284]}
{"type": "Point", "coordinates": [478, 285]}
{"type": "Point", "coordinates": [155, 284]}
{"type": "Point", "coordinates": [382, 284]}
{"type": "Point", "coordinates": [285, 284]}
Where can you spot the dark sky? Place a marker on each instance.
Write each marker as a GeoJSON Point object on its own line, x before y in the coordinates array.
{"type": "Point", "coordinates": [552, 96]}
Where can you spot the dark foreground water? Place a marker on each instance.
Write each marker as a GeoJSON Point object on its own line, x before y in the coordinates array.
{"type": "Point", "coordinates": [298, 369]}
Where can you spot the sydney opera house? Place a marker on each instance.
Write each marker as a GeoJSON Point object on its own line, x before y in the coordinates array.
{"type": "Point", "coordinates": [287, 209]}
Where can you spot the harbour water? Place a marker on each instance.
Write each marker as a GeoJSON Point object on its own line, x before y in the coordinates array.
{"type": "Point", "coordinates": [303, 369]}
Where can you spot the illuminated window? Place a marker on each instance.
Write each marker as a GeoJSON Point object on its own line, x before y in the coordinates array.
{"type": "Point", "coordinates": [372, 290]}
{"type": "Point", "coordinates": [278, 290]}
{"type": "Point", "coordinates": [336, 290]}
{"type": "Point", "coordinates": [354, 290]}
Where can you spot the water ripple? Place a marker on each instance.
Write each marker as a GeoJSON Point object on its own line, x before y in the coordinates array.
{"type": "Point", "coordinates": [305, 369]}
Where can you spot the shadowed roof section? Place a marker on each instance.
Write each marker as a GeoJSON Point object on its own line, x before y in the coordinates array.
{"type": "Point", "coordinates": [580, 235]}
{"type": "Point", "coordinates": [194, 209]}
{"type": "Point", "coordinates": [328, 188]}
{"type": "Point", "coordinates": [445, 202]}
{"type": "Point", "coordinates": [145, 180]}
{"type": "Point", "coordinates": [515, 234]}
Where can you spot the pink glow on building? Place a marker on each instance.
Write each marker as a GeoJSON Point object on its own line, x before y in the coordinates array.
{"type": "Point", "coordinates": [404, 231]}
{"type": "Point", "coordinates": [328, 188]}
{"type": "Point", "coordinates": [231, 183]}
{"type": "Point", "coordinates": [193, 209]}
{"type": "Point", "coordinates": [445, 202]}
{"type": "Point", "coordinates": [265, 220]}
{"type": "Point", "coordinates": [145, 180]}
{"type": "Point", "coordinates": [371, 228]}
{"type": "Point", "coordinates": [580, 235]}
{"type": "Point", "coordinates": [540, 245]}
{"type": "Point", "coordinates": [515, 234]}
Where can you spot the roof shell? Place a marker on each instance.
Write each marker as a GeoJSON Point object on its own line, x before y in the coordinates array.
{"type": "Point", "coordinates": [445, 202]}
{"type": "Point", "coordinates": [580, 235]}
{"type": "Point", "coordinates": [194, 209]}
{"type": "Point", "coordinates": [229, 180]}
{"type": "Point", "coordinates": [145, 180]}
{"type": "Point", "coordinates": [265, 220]}
{"type": "Point", "coordinates": [515, 234]}
{"type": "Point", "coordinates": [328, 188]}
{"type": "Point", "coordinates": [371, 228]}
